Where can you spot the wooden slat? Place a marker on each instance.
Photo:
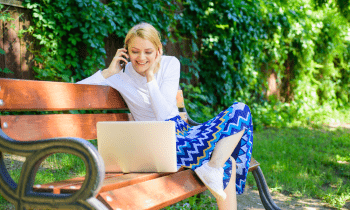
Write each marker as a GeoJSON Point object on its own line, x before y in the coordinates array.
{"type": "Point", "coordinates": [180, 99]}
{"type": "Point", "coordinates": [36, 127]}
{"type": "Point", "coordinates": [15, 3]}
{"type": "Point", "coordinates": [41, 95]}
{"type": "Point", "coordinates": [12, 44]}
{"type": "Point", "coordinates": [154, 194]}
{"type": "Point", "coordinates": [253, 165]}
{"type": "Point", "coordinates": [56, 187]}
{"type": "Point", "coordinates": [112, 181]}
{"type": "Point", "coordinates": [128, 179]}
{"type": "Point", "coordinates": [26, 95]}
{"type": "Point", "coordinates": [27, 42]}
{"type": "Point", "coordinates": [117, 181]}
{"type": "Point", "coordinates": [183, 115]}
{"type": "Point", "coordinates": [2, 57]}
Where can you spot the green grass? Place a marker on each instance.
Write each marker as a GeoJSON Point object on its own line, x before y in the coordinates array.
{"type": "Point", "coordinates": [310, 162]}
{"type": "Point", "coordinates": [56, 167]}
{"type": "Point", "coordinates": [298, 162]}
{"type": "Point", "coordinates": [204, 201]}
{"type": "Point", "coordinates": [60, 167]}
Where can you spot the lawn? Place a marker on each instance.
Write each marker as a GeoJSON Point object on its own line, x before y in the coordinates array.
{"type": "Point", "coordinates": [298, 162]}
{"type": "Point", "coordinates": [311, 162]}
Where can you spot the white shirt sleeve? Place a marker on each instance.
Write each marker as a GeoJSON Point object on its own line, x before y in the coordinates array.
{"type": "Point", "coordinates": [95, 79]}
{"type": "Point", "coordinates": [163, 96]}
{"type": "Point", "coordinates": [155, 100]}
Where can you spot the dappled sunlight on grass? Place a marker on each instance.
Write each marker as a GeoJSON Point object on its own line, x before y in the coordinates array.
{"type": "Point", "coordinates": [305, 161]}
{"type": "Point", "coordinates": [59, 167]}
{"type": "Point", "coordinates": [278, 167]}
{"type": "Point", "coordinates": [303, 174]}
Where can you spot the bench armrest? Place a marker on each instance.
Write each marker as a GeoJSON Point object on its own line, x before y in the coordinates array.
{"type": "Point", "coordinates": [190, 121]}
{"type": "Point", "coordinates": [22, 194]}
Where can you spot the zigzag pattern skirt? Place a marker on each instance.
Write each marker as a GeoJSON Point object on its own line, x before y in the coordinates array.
{"type": "Point", "coordinates": [195, 144]}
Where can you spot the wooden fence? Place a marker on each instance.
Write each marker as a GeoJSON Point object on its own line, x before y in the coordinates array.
{"type": "Point", "coordinates": [17, 57]}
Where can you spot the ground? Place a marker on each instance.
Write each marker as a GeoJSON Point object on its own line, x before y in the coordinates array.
{"type": "Point", "coordinates": [250, 200]}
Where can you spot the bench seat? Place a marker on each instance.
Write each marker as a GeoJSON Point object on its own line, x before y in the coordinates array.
{"type": "Point", "coordinates": [139, 190]}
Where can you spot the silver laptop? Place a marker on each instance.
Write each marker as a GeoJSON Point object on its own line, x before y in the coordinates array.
{"type": "Point", "coordinates": [137, 146]}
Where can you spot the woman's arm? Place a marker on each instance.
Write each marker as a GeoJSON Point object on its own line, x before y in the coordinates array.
{"type": "Point", "coordinates": [95, 79]}
{"type": "Point", "coordinates": [163, 96]}
{"type": "Point", "coordinates": [114, 68]}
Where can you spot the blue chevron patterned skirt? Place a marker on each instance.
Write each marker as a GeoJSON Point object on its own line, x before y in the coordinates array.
{"type": "Point", "coordinates": [195, 144]}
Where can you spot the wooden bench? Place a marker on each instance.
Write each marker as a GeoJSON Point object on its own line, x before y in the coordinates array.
{"type": "Point", "coordinates": [66, 133]}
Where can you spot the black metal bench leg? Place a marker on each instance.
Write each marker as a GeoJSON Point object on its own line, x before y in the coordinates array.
{"type": "Point", "coordinates": [264, 192]}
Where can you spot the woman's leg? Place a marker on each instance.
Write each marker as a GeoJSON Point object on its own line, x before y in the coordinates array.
{"type": "Point", "coordinates": [230, 203]}
{"type": "Point", "coordinates": [223, 150]}
{"type": "Point", "coordinates": [196, 145]}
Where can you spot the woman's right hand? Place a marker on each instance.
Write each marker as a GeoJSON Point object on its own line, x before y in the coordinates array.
{"type": "Point", "coordinates": [115, 65]}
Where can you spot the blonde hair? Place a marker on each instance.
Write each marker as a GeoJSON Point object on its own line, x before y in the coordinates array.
{"type": "Point", "coordinates": [144, 31]}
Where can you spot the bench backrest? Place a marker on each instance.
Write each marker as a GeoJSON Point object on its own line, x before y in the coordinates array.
{"type": "Point", "coordinates": [62, 98]}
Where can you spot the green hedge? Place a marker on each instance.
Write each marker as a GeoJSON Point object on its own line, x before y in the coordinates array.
{"type": "Point", "coordinates": [230, 48]}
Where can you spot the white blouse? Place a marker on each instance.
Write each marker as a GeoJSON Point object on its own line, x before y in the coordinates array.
{"type": "Point", "coordinates": [155, 100]}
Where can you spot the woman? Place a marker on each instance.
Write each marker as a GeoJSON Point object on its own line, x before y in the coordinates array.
{"type": "Point", "coordinates": [218, 151]}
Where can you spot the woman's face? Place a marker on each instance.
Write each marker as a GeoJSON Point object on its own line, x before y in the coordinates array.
{"type": "Point", "coordinates": [142, 54]}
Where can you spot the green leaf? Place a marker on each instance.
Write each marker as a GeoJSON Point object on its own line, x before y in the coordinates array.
{"type": "Point", "coordinates": [6, 71]}
{"type": "Point", "coordinates": [85, 36]}
{"type": "Point", "coordinates": [138, 6]}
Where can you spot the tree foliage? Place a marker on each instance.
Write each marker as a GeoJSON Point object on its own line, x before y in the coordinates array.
{"type": "Point", "coordinates": [229, 48]}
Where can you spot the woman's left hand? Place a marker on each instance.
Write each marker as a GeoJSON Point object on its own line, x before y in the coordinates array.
{"type": "Point", "coordinates": [151, 71]}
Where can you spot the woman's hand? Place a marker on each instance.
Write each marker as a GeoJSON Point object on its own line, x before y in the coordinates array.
{"type": "Point", "coordinates": [115, 65]}
{"type": "Point", "coordinates": [151, 71]}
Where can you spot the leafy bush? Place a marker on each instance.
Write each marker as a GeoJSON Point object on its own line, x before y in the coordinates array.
{"type": "Point", "coordinates": [66, 29]}
{"type": "Point", "coordinates": [63, 28]}
{"type": "Point", "coordinates": [228, 50]}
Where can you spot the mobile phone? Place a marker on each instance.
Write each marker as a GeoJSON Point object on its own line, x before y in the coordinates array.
{"type": "Point", "coordinates": [123, 64]}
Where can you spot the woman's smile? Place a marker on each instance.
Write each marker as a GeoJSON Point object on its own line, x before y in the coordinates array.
{"type": "Point", "coordinates": [141, 63]}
